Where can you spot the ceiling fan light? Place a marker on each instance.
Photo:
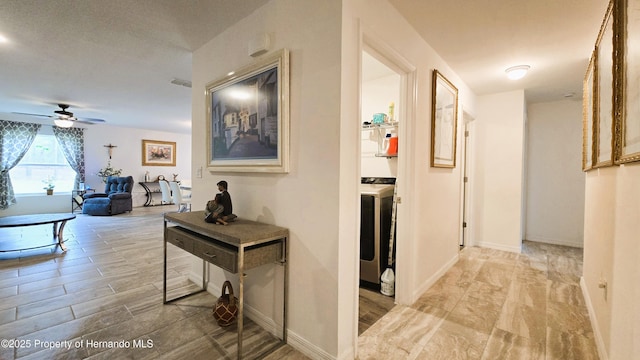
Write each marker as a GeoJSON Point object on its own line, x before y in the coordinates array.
{"type": "Point", "coordinates": [63, 123]}
{"type": "Point", "coordinates": [517, 72]}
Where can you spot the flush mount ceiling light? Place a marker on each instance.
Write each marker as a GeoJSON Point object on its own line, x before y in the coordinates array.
{"type": "Point", "coordinates": [517, 72]}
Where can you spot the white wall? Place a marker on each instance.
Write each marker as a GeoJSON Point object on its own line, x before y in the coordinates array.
{"type": "Point", "coordinates": [127, 156]}
{"type": "Point", "coordinates": [306, 199]}
{"type": "Point", "coordinates": [555, 181]}
{"type": "Point", "coordinates": [497, 177]}
{"type": "Point", "coordinates": [612, 254]}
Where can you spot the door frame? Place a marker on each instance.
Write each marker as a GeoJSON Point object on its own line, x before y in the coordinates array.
{"type": "Point", "coordinates": [466, 222]}
{"type": "Point", "coordinates": [405, 174]}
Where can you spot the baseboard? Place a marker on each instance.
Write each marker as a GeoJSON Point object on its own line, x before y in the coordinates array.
{"type": "Point", "coordinates": [496, 246]}
{"type": "Point", "coordinates": [602, 351]}
{"type": "Point", "coordinates": [310, 350]}
{"type": "Point", "coordinates": [431, 280]}
{"type": "Point", "coordinates": [294, 340]}
{"type": "Point", "coordinates": [563, 242]}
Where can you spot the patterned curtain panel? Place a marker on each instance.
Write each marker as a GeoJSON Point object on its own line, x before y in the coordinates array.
{"type": "Point", "coordinates": [72, 142]}
{"type": "Point", "coordinates": [15, 140]}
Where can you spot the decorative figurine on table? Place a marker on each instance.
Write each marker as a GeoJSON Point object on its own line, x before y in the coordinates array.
{"type": "Point", "coordinates": [227, 214]}
{"type": "Point", "coordinates": [214, 211]}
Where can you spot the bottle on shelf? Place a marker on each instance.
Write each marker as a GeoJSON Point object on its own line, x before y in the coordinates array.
{"type": "Point", "coordinates": [392, 149]}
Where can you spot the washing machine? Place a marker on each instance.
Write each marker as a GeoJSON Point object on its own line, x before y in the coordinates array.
{"type": "Point", "coordinates": [375, 224]}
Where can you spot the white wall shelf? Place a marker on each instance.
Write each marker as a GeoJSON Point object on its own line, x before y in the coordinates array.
{"type": "Point", "coordinates": [381, 131]}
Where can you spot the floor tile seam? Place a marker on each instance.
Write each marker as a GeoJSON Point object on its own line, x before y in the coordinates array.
{"type": "Point", "coordinates": [115, 300]}
{"type": "Point", "coordinates": [561, 326]}
{"type": "Point", "coordinates": [53, 299]}
{"type": "Point", "coordinates": [424, 341]}
{"type": "Point", "coordinates": [582, 309]}
{"type": "Point", "coordinates": [543, 343]}
{"type": "Point", "coordinates": [19, 280]}
{"type": "Point", "coordinates": [502, 288]}
{"type": "Point", "coordinates": [2, 298]}
{"type": "Point", "coordinates": [61, 283]}
{"type": "Point", "coordinates": [543, 314]}
{"type": "Point", "coordinates": [464, 295]}
{"type": "Point", "coordinates": [26, 295]}
{"type": "Point", "coordinates": [534, 308]}
{"type": "Point", "coordinates": [31, 331]}
{"type": "Point", "coordinates": [38, 272]}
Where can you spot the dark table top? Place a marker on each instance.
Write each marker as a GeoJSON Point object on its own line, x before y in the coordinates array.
{"type": "Point", "coordinates": [35, 219]}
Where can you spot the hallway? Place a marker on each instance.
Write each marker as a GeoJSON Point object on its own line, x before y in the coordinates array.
{"type": "Point", "coordinates": [107, 286]}
{"type": "Point", "coordinates": [493, 305]}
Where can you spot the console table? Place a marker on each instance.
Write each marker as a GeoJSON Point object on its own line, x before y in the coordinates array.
{"type": "Point", "coordinates": [239, 246]}
{"type": "Point", "coordinates": [30, 220]}
{"type": "Point", "coordinates": [152, 188]}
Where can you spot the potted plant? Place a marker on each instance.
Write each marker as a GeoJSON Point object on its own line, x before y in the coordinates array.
{"type": "Point", "coordinates": [49, 184]}
{"type": "Point", "coordinates": [108, 171]}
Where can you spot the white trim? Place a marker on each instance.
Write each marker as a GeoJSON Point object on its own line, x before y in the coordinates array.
{"type": "Point", "coordinates": [405, 173]}
{"type": "Point", "coordinates": [466, 170]}
{"type": "Point", "coordinates": [555, 241]}
{"type": "Point", "coordinates": [435, 277]}
{"type": "Point", "coordinates": [496, 246]}
{"type": "Point", "coordinates": [602, 350]}
{"type": "Point", "coordinates": [301, 344]}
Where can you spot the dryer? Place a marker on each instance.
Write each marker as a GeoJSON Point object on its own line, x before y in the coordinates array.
{"type": "Point", "coordinates": [375, 224]}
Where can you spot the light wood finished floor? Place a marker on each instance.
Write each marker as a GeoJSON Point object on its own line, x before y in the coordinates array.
{"type": "Point", "coordinates": [372, 307]}
{"type": "Point", "coordinates": [105, 293]}
{"type": "Point", "coordinates": [108, 287]}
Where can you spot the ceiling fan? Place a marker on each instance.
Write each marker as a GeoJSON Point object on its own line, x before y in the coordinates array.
{"type": "Point", "coordinates": [64, 118]}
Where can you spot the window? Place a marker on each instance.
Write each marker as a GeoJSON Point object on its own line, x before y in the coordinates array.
{"type": "Point", "coordinates": [44, 159]}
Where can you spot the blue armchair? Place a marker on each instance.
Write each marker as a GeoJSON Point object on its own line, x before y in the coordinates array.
{"type": "Point", "coordinates": [116, 198]}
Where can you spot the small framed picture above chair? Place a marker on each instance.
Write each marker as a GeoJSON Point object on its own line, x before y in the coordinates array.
{"type": "Point", "coordinates": [158, 153]}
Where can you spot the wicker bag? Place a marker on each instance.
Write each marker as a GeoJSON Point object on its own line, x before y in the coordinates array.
{"type": "Point", "coordinates": [226, 309]}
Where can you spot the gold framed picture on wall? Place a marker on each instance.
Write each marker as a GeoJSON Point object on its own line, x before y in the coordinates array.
{"type": "Point", "coordinates": [444, 115]}
{"type": "Point", "coordinates": [589, 112]}
{"type": "Point", "coordinates": [158, 153]}
{"type": "Point", "coordinates": [604, 120]}
{"type": "Point", "coordinates": [627, 145]}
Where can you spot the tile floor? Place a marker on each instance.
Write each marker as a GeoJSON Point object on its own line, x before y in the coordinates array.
{"type": "Point", "coordinates": [372, 306]}
{"type": "Point", "coordinates": [108, 286]}
{"type": "Point", "coordinates": [104, 296]}
{"type": "Point", "coordinates": [493, 305]}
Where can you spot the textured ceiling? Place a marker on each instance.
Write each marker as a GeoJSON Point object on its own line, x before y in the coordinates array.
{"type": "Point", "coordinates": [114, 59]}
{"type": "Point", "coordinates": [479, 39]}
{"type": "Point", "coordinates": [108, 59]}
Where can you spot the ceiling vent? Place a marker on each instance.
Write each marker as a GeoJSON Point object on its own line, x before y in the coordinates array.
{"type": "Point", "coordinates": [181, 82]}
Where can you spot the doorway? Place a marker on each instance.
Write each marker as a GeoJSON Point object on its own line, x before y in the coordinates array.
{"type": "Point", "coordinates": [382, 112]}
